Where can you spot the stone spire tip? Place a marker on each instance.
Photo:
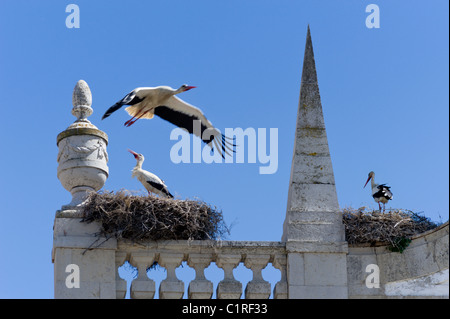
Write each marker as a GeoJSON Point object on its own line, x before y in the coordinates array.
{"type": "Point", "coordinates": [309, 74]}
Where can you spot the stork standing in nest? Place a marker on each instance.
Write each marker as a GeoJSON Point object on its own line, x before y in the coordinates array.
{"type": "Point", "coordinates": [380, 193]}
{"type": "Point", "coordinates": [151, 182]}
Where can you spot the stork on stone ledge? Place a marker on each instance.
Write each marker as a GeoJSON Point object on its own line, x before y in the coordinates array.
{"type": "Point", "coordinates": [151, 182]}
{"type": "Point", "coordinates": [380, 193]}
{"type": "Point", "coordinates": [145, 102]}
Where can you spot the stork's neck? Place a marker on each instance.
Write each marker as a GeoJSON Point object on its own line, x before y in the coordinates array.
{"type": "Point", "coordinates": [179, 90]}
{"type": "Point", "coordinates": [139, 164]}
{"type": "Point", "coordinates": [372, 182]}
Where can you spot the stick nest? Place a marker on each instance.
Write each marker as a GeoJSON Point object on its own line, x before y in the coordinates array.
{"type": "Point", "coordinates": [395, 227]}
{"type": "Point", "coordinates": [140, 218]}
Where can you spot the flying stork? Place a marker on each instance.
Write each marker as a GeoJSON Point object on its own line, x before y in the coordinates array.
{"type": "Point", "coordinates": [380, 193]}
{"type": "Point", "coordinates": [151, 182]}
{"type": "Point", "coordinates": [145, 102]}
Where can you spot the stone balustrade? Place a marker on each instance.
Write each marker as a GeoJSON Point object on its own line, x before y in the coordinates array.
{"type": "Point", "coordinates": [199, 255]}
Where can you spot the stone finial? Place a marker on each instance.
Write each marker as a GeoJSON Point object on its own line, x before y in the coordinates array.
{"type": "Point", "coordinates": [82, 101]}
{"type": "Point", "coordinates": [82, 155]}
{"type": "Point", "coordinates": [82, 94]}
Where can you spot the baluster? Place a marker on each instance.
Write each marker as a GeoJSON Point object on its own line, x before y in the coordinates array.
{"type": "Point", "coordinates": [171, 287]}
{"type": "Point", "coordinates": [257, 288]}
{"type": "Point", "coordinates": [281, 288]}
{"type": "Point", "coordinates": [121, 284]}
{"type": "Point", "coordinates": [229, 287]}
{"type": "Point", "coordinates": [200, 287]}
{"type": "Point", "coordinates": [142, 287]}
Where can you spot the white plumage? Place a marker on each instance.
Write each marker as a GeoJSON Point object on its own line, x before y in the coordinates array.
{"type": "Point", "coordinates": [151, 182]}
{"type": "Point", "coordinates": [145, 102]}
{"type": "Point", "coordinates": [380, 193]}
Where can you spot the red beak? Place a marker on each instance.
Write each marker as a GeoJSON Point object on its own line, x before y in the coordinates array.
{"type": "Point", "coordinates": [190, 87]}
{"type": "Point", "coordinates": [367, 181]}
{"type": "Point", "coordinates": [134, 153]}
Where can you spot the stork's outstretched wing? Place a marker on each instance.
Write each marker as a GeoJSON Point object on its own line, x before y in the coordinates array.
{"type": "Point", "coordinates": [129, 99]}
{"type": "Point", "coordinates": [184, 115]}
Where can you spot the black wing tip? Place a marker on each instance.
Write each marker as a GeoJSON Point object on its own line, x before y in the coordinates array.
{"type": "Point", "coordinates": [226, 140]}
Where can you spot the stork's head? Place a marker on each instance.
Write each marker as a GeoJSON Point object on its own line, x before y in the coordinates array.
{"type": "Point", "coordinates": [186, 87]}
{"type": "Point", "coordinates": [371, 175]}
{"type": "Point", "coordinates": [138, 157]}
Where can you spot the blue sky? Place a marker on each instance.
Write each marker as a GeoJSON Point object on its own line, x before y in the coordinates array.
{"type": "Point", "coordinates": [384, 94]}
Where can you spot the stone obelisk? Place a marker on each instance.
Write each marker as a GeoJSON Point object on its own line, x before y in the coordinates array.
{"type": "Point", "coordinates": [313, 229]}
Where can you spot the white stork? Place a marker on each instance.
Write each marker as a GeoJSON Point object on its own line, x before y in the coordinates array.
{"type": "Point", "coordinates": [151, 182]}
{"type": "Point", "coordinates": [145, 102]}
{"type": "Point", "coordinates": [380, 193]}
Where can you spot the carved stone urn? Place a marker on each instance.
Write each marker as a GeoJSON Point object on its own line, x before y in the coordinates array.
{"type": "Point", "coordinates": [82, 157]}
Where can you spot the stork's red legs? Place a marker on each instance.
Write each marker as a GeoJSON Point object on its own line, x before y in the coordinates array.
{"type": "Point", "coordinates": [127, 123]}
{"type": "Point", "coordinates": [134, 119]}
{"type": "Point", "coordinates": [130, 121]}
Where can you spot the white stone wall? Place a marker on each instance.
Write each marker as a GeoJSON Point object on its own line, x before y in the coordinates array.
{"type": "Point", "coordinates": [421, 271]}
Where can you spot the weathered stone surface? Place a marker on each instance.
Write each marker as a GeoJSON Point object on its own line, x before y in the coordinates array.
{"type": "Point", "coordinates": [324, 269]}
{"type": "Point", "coordinates": [82, 94]}
{"type": "Point", "coordinates": [142, 289]}
{"type": "Point", "coordinates": [281, 290]}
{"type": "Point", "coordinates": [96, 270]}
{"type": "Point", "coordinates": [441, 251]}
{"type": "Point", "coordinates": [229, 289]}
{"type": "Point", "coordinates": [318, 292]}
{"type": "Point", "coordinates": [312, 184]}
{"type": "Point", "coordinates": [415, 273]}
{"type": "Point", "coordinates": [171, 289]}
{"type": "Point", "coordinates": [82, 155]}
{"type": "Point", "coordinates": [433, 285]}
{"type": "Point", "coordinates": [296, 269]}
{"type": "Point", "coordinates": [313, 228]}
{"type": "Point", "coordinates": [200, 289]}
{"type": "Point", "coordinates": [256, 289]}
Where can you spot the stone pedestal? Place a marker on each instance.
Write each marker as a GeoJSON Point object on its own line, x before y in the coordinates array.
{"type": "Point", "coordinates": [84, 264]}
{"type": "Point", "coordinates": [82, 155]}
{"type": "Point", "coordinates": [76, 247]}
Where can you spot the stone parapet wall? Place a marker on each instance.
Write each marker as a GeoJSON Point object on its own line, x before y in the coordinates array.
{"type": "Point", "coordinates": [421, 271]}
